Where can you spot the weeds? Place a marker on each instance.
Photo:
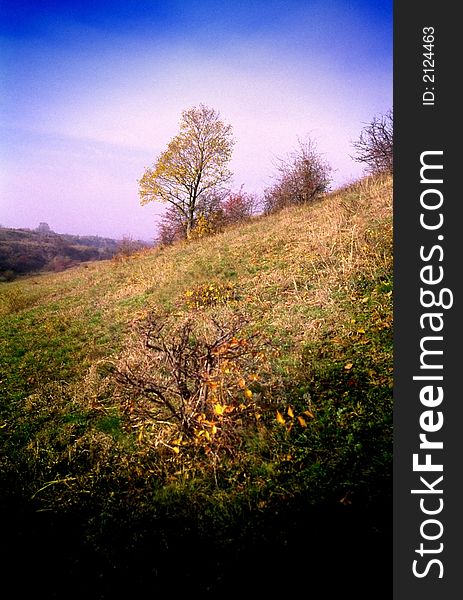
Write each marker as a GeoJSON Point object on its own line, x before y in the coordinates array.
{"type": "Point", "coordinates": [209, 295]}
{"type": "Point", "coordinates": [14, 300]}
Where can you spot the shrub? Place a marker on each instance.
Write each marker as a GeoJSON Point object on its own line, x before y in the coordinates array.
{"type": "Point", "coordinates": [375, 145]}
{"type": "Point", "coordinates": [203, 228]}
{"type": "Point", "coordinates": [194, 384]}
{"type": "Point", "coordinates": [128, 247]}
{"type": "Point", "coordinates": [7, 275]}
{"type": "Point", "coordinates": [238, 207]}
{"type": "Point", "coordinates": [302, 177]}
{"type": "Point", "coordinates": [170, 229]}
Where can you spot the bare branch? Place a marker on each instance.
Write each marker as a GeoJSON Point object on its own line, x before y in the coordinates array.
{"type": "Point", "coordinates": [375, 144]}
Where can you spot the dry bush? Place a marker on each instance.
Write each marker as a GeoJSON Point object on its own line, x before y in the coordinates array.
{"type": "Point", "coordinates": [127, 248]}
{"type": "Point", "coordinates": [170, 229]}
{"type": "Point", "coordinates": [238, 207]}
{"type": "Point", "coordinates": [375, 145]}
{"type": "Point", "coordinates": [302, 177]}
{"type": "Point", "coordinates": [193, 382]}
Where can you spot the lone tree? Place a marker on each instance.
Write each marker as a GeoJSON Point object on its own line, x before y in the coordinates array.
{"type": "Point", "coordinates": [375, 145]}
{"type": "Point", "coordinates": [194, 164]}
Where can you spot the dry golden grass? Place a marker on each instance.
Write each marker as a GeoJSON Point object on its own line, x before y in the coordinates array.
{"type": "Point", "coordinates": [294, 277]}
{"type": "Point", "coordinates": [285, 268]}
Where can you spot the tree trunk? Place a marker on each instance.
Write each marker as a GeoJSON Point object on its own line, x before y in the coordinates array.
{"type": "Point", "coordinates": [190, 222]}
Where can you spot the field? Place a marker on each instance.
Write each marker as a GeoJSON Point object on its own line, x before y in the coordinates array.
{"type": "Point", "coordinates": [212, 416]}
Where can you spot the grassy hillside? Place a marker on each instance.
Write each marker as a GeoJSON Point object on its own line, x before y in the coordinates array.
{"type": "Point", "coordinates": [217, 410]}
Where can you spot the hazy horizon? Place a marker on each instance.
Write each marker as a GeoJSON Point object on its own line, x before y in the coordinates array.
{"type": "Point", "coordinates": [94, 91]}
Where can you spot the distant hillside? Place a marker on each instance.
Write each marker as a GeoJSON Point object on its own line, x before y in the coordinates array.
{"type": "Point", "coordinates": [213, 416]}
{"type": "Point", "coordinates": [26, 251]}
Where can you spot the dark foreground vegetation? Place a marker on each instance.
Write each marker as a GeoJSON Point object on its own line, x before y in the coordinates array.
{"type": "Point", "coordinates": [214, 417]}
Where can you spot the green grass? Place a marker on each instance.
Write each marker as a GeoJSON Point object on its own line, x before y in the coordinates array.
{"type": "Point", "coordinates": [315, 284]}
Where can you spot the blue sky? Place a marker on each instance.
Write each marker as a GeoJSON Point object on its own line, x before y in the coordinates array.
{"type": "Point", "coordinates": [92, 92]}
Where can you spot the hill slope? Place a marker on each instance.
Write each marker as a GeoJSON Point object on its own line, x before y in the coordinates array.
{"type": "Point", "coordinates": [25, 251]}
{"type": "Point", "coordinates": [280, 331]}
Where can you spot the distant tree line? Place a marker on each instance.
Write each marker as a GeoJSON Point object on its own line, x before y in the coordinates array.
{"type": "Point", "coordinates": [26, 251]}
